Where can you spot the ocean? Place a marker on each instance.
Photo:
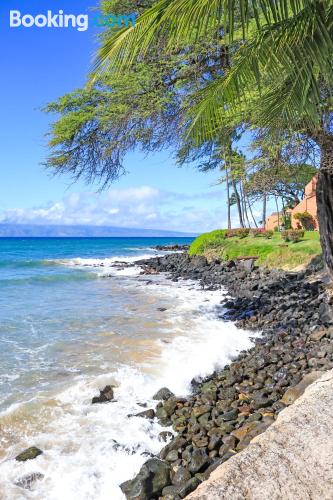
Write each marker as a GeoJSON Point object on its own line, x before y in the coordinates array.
{"type": "Point", "coordinates": [72, 320]}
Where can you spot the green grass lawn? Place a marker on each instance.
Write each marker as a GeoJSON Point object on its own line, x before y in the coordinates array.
{"type": "Point", "coordinates": [274, 252]}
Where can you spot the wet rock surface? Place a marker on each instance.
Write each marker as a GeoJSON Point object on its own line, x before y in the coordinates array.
{"type": "Point", "coordinates": [291, 460]}
{"type": "Point", "coordinates": [105, 395]}
{"type": "Point", "coordinates": [172, 248]}
{"type": "Point", "coordinates": [27, 482]}
{"type": "Point", "coordinates": [148, 414]}
{"type": "Point", "coordinates": [28, 454]}
{"type": "Point", "coordinates": [154, 475]}
{"type": "Point", "coordinates": [163, 394]}
{"type": "Point", "coordinates": [239, 402]}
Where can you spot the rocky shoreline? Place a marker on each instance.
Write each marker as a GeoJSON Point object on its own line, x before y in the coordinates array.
{"type": "Point", "coordinates": [230, 407]}
{"type": "Point", "coordinates": [226, 410]}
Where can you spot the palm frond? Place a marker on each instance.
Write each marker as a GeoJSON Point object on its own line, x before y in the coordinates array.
{"type": "Point", "coordinates": [279, 73]}
{"type": "Point", "coordinates": [182, 21]}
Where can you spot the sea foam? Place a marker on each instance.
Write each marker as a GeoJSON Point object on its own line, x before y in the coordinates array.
{"type": "Point", "coordinates": [90, 449]}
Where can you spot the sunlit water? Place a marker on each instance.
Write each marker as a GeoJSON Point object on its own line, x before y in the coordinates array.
{"type": "Point", "coordinates": [71, 321]}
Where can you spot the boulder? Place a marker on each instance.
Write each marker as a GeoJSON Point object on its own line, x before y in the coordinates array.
{"type": "Point", "coordinates": [189, 486]}
{"type": "Point", "coordinates": [105, 395]}
{"type": "Point", "coordinates": [163, 394]}
{"type": "Point", "coordinates": [292, 459]}
{"type": "Point", "coordinates": [198, 461]}
{"type": "Point", "coordinates": [176, 444]}
{"type": "Point", "coordinates": [154, 475]}
{"type": "Point", "coordinates": [165, 436]}
{"type": "Point", "coordinates": [181, 476]}
{"type": "Point", "coordinates": [28, 481]}
{"type": "Point", "coordinates": [28, 454]}
{"type": "Point", "coordinates": [295, 392]}
{"type": "Point", "coordinates": [149, 414]}
{"type": "Point", "coordinates": [319, 334]}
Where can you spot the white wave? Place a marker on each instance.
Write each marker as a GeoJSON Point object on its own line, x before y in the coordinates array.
{"type": "Point", "coordinates": [118, 265]}
{"type": "Point", "coordinates": [81, 456]}
{"type": "Point", "coordinates": [105, 262]}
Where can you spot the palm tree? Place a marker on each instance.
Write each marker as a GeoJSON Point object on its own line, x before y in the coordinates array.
{"type": "Point", "coordinates": [280, 77]}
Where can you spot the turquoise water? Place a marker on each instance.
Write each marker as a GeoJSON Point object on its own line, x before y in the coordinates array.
{"type": "Point", "coordinates": [46, 306]}
{"type": "Point", "coordinates": [73, 318]}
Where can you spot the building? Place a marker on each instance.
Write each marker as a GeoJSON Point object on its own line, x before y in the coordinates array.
{"type": "Point", "coordinates": [308, 204]}
{"type": "Point", "coordinates": [273, 221]}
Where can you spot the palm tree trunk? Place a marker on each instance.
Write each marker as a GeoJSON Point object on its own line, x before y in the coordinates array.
{"type": "Point", "coordinates": [245, 210]}
{"type": "Point", "coordinates": [238, 202]}
{"type": "Point", "coordinates": [325, 203]}
{"type": "Point", "coordinates": [244, 207]}
{"type": "Point", "coordinates": [251, 212]}
{"type": "Point", "coordinates": [228, 197]}
{"type": "Point", "coordinates": [278, 213]}
{"type": "Point", "coordinates": [264, 209]}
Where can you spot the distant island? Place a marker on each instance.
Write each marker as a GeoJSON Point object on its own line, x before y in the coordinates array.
{"type": "Point", "coordinates": [39, 231]}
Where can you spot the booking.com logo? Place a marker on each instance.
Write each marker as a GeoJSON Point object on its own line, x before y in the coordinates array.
{"type": "Point", "coordinates": [62, 20]}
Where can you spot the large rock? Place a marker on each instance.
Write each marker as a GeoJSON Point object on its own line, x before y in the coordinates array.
{"type": "Point", "coordinates": [27, 482]}
{"type": "Point", "coordinates": [163, 394]}
{"type": "Point", "coordinates": [199, 460]}
{"type": "Point", "coordinates": [295, 392]}
{"type": "Point", "coordinates": [291, 460]}
{"type": "Point", "coordinates": [154, 475]}
{"type": "Point", "coordinates": [176, 444]}
{"type": "Point", "coordinates": [105, 395]}
{"type": "Point", "coordinates": [148, 414]}
{"type": "Point", "coordinates": [28, 454]}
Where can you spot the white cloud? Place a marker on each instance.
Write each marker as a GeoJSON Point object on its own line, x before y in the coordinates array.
{"type": "Point", "coordinates": [141, 207]}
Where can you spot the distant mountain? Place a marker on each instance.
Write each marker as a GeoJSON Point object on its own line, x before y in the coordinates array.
{"type": "Point", "coordinates": [36, 230]}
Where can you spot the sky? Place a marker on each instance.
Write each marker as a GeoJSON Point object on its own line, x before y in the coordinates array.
{"type": "Point", "coordinates": [41, 64]}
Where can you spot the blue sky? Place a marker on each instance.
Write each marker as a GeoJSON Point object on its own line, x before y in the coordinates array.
{"type": "Point", "coordinates": [38, 65]}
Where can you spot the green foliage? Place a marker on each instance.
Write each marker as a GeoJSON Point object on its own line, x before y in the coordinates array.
{"type": "Point", "coordinates": [281, 166]}
{"type": "Point", "coordinates": [280, 75]}
{"type": "Point", "coordinates": [271, 252]}
{"type": "Point", "coordinates": [141, 108]}
{"type": "Point", "coordinates": [207, 241]}
{"type": "Point", "coordinates": [294, 235]}
{"type": "Point", "coordinates": [306, 219]}
{"type": "Point", "coordinates": [241, 232]}
{"type": "Point", "coordinates": [264, 233]}
{"type": "Point", "coordinates": [286, 221]}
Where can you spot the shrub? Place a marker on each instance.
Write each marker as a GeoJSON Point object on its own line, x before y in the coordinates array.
{"type": "Point", "coordinates": [276, 229]}
{"type": "Point", "coordinates": [241, 232]}
{"type": "Point", "coordinates": [293, 235]}
{"type": "Point", "coordinates": [286, 221]}
{"type": "Point", "coordinates": [306, 219]}
{"type": "Point", "coordinates": [207, 241]}
{"type": "Point", "coordinates": [261, 232]}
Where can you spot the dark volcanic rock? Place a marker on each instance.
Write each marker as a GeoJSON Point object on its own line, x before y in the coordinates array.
{"type": "Point", "coordinates": [199, 460]}
{"type": "Point", "coordinates": [28, 454]}
{"type": "Point", "coordinates": [149, 414]}
{"type": "Point", "coordinates": [181, 476]}
{"type": "Point", "coordinates": [233, 405]}
{"type": "Point", "coordinates": [172, 248]}
{"type": "Point", "coordinates": [28, 481]}
{"type": "Point", "coordinates": [188, 487]}
{"type": "Point", "coordinates": [154, 475]}
{"type": "Point", "coordinates": [164, 436]}
{"type": "Point", "coordinates": [105, 395]}
{"type": "Point", "coordinates": [163, 394]}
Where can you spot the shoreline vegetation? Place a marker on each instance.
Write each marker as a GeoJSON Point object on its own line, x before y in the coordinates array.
{"type": "Point", "coordinates": [271, 252]}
